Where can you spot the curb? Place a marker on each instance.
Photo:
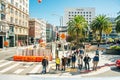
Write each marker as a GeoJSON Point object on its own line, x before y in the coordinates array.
{"type": "Point", "coordinates": [102, 70]}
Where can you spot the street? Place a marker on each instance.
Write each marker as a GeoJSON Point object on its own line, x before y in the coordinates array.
{"type": "Point", "coordinates": [113, 72]}
{"type": "Point", "coordinates": [8, 66]}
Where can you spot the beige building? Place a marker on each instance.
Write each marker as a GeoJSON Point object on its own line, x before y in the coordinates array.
{"type": "Point", "coordinates": [34, 30]}
{"type": "Point", "coordinates": [16, 16]}
{"type": "Point", "coordinates": [37, 30]}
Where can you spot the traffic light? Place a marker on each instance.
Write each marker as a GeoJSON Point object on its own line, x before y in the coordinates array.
{"type": "Point", "coordinates": [57, 38]}
{"type": "Point", "coordinates": [59, 45]}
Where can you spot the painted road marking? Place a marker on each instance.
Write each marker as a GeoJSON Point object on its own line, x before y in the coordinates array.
{"type": "Point", "coordinates": [35, 70]}
{"type": "Point", "coordinates": [1, 65]}
{"type": "Point", "coordinates": [2, 61]}
{"type": "Point", "coordinates": [8, 68]}
{"type": "Point", "coordinates": [18, 71]}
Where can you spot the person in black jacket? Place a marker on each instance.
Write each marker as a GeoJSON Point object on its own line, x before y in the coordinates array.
{"type": "Point", "coordinates": [63, 63]}
{"type": "Point", "coordinates": [86, 61]}
{"type": "Point", "coordinates": [44, 64]}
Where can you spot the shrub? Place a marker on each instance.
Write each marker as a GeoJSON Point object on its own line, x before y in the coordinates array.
{"type": "Point", "coordinates": [114, 47]}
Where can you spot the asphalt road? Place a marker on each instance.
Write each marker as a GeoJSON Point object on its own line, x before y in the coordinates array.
{"type": "Point", "coordinates": [114, 72]}
{"type": "Point", "coordinates": [22, 68]}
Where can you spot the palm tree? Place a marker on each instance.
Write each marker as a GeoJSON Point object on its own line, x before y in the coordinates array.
{"type": "Point", "coordinates": [77, 27]}
{"type": "Point", "coordinates": [108, 30]}
{"type": "Point", "coordinates": [100, 23]}
{"type": "Point", "coordinates": [117, 23]}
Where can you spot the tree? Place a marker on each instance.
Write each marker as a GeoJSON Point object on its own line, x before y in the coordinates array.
{"type": "Point", "coordinates": [100, 23]}
{"type": "Point", "coordinates": [108, 30]}
{"type": "Point", "coordinates": [117, 27]}
{"type": "Point", "coordinates": [77, 27]}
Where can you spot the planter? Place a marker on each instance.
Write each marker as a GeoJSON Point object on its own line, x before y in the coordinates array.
{"type": "Point", "coordinates": [113, 51]}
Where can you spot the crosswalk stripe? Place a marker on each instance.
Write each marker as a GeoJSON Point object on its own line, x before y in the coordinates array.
{"type": "Point", "coordinates": [35, 70]}
{"type": "Point", "coordinates": [5, 63]}
{"type": "Point", "coordinates": [7, 69]}
{"type": "Point", "coordinates": [18, 71]}
{"type": "Point", "coordinates": [2, 61]}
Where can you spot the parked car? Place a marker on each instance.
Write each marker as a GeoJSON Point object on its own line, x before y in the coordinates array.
{"type": "Point", "coordinates": [118, 63]}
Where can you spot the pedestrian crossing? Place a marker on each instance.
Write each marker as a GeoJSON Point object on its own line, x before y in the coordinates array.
{"type": "Point", "coordinates": [22, 68]}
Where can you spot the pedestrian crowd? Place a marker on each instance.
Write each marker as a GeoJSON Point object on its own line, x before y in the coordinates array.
{"type": "Point", "coordinates": [69, 61]}
{"type": "Point", "coordinates": [79, 57]}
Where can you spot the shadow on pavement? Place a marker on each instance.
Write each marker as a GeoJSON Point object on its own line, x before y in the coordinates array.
{"type": "Point", "coordinates": [115, 69]}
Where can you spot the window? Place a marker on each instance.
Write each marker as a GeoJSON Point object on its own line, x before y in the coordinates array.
{"type": "Point", "coordinates": [89, 15]}
{"type": "Point", "coordinates": [20, 7]}
{"type": "Point", "coordinates": [16, 21]}
{"type": "Point", "coordinates": [2, 16]}
{"type": "Point", "coordinates": [16, 12]}
{"type": "Point", "coordinates": [16, 4]}
{"type": "Point", "coordinates": [19, 22]}
{"type": "Point", "coordinates": [12, 1]}
{"type": "Point", "coordinates": [23, 9]}
{"type": "Point", "coordinates": [89, 12]}
{"type": "Point", "coordinates": [23, 23]}
{"type": "Point", "coordinates": [23, 2]}
{"type": "Point", "coordinates": [26, 23]}
{"type": "Point", "coordinates": [20, 1]}
{"type": "Point", "coordinates": [20, 14]}
{"type": "Point", "coordinates": [11, 10]}
{"type": "Point", "coordinates": [2, 7]}
{"type": "Point", "coordinates": [23, 15]}
{"type": "Point", "coordinates": [11, 19]}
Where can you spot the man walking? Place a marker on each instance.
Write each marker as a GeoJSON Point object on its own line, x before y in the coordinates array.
{"type": "Point", "coordinates": [44, 64]}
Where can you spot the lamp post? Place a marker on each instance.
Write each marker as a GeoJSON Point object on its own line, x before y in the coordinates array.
{"type": "Point", "coordinates": [61, 25]}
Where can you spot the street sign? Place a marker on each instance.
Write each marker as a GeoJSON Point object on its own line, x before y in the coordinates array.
{"type": "Point", "coordinates": [62, 36]}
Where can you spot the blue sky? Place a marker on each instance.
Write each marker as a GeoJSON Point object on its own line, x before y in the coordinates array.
{"type": "Point", "coordinates": [46, 8]}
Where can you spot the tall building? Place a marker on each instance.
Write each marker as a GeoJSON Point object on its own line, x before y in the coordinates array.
{"type": "Point", "coordinates": [16, 15]}
{"type": "Point", "coordinates": [4, 27]}
{"type": "Point", "coordinates": [113, 34]}
{"type": "Point", "coordinates": [43, 29]}
{"type": "Point", "coordinates": [34, 30]}
{"type": "Point", "coordinates": [87, 13]}
{"type": "Point", "coordinates": [37, 30]}
{"type": "Point", "coordinates": [49, 32]}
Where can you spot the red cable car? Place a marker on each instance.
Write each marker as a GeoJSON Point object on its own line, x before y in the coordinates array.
{"type": "Point", "coordinates": [39, 1]}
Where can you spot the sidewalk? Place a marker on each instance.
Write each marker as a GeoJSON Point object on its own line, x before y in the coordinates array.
{"type": "Point", "coordinates": [103, 66]}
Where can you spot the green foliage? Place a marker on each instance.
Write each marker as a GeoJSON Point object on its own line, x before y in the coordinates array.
{"type": "Point", "coordinates": [117, 27]}
{"type": "Point", "coordinates": [115, 47]}
{"type": "Point", "coordinates": [100, 23]}
{"type": "Point", "coordinates": [77, 27]}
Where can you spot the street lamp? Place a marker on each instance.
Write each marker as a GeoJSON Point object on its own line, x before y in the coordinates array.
{"type": "Point", "coordinates": [60, 19]}
{"type": "Point", "coordinates": [61, 25]}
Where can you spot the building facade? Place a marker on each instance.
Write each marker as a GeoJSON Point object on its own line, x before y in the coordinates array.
{"type": "Point", "coordinates": [87, 13]}
{"type": "Point", "coordinates": [37, 30]}
{"type": "Point", "coordinates": [49, 32]}
{"type": "Point", "coordinates": [113, 34]}
{"type": "Point", "coordinates": [43, 29]}
{"type": "Point", "coordinates": [16, 17]}
{"type": "Point", "coordinates": [34, 30]}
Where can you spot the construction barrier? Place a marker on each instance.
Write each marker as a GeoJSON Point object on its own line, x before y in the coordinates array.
{"type": "Point", "coordinates": [32, 54]}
